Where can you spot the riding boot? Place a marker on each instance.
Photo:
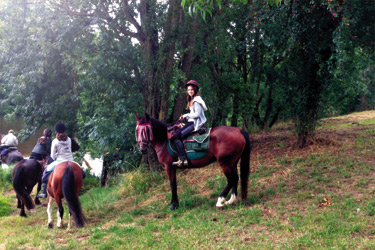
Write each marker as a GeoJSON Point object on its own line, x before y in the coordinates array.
{"type": "Point", "coordinates": [44, 191]}
{"type": "Point", "coordinates": [182, 162]}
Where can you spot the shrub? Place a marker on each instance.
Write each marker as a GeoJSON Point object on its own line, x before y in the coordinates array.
{"type": "Point", "coordinates": [5, 178]}
{"type": "Point", "coordinates": [5, 209]}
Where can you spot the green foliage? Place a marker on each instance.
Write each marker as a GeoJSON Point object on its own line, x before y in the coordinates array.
{"type": "Point", "coordinates": [33, 69]}
{"type": "Point", "coordinates": [6, 181]}
{"type": "Point", "coordinates": [89, 182]}
{"type": "Point", "coordinates": [139, 182]}
{"type": "Point", "coordinates": [5, 209]}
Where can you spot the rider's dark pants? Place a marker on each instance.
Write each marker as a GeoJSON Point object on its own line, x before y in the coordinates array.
{"type": "Point", "coordinates": [177, 139]}
{"type": "Point", "coordinates": [2, 147]}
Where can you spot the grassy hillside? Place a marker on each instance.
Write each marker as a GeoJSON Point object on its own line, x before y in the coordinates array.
{"type": "Point", "coordinates": [319, 197]}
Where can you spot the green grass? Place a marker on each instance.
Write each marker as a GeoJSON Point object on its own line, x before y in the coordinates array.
{"type": "Point", "coordinates": [287, 207]}
{"type": "Point", "coordinates": [5, 208]}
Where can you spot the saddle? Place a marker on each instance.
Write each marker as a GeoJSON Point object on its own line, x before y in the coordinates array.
{"type": "Point", "coordinates": [196, 145]}
{"type": "Point", "coordinates": [7, 150]}
{"type": "Point", "coordinates": [173, 128]}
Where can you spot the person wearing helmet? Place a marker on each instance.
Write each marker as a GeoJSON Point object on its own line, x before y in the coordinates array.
{"type": "Point", "coordinates": [61, 150]}
{"type": "Point", "coordinates": [195, 118]}
{"type": "Point", "coordinates": [42, 148]}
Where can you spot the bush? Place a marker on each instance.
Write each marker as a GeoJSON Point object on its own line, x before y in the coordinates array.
{"type": "Point", "coordinates": [89, 182]}
{"type": "Point", "coordinates": [139, 181]}
{"type": "Point", "coordinates": [5, 209]}
{"type": "Point", "coordinates": [5, 178]}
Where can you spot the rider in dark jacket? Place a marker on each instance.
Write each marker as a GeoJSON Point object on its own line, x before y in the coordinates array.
{"type": "Point", "coordinates": [42, 149]}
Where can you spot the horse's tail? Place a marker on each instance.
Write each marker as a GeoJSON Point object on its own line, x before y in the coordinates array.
{"type": "Point", "coordinates": [19, 187]}
{"type": "Point", "coordinates": [245, 165]}
{"type": "Point", "coordinates": [68, 191]}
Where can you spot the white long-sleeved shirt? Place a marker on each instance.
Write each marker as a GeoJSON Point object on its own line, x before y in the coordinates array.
{"type": "Point", "coordinates": [196, 114]}
{"type": "Point", "coordinates": [62, 150]}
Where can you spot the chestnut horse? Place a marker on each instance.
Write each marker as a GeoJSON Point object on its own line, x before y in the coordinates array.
{"type": "Point", "coordinates": [25, 175]}
{"type": "Point", "coordinates": [66, 182]}
{"type": "Point", "coordinates": [227, 146]}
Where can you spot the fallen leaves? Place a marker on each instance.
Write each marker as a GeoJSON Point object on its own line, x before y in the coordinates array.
{"type": "Point", "coordinates": [326, 202]}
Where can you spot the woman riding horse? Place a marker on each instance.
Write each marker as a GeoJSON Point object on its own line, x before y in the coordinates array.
{"type": "Point", "coordinates": [196, 119]}
{"type": "Point", "coordinates": [227, 145]}
{"type": "Point", "coordinates": [61, 150]}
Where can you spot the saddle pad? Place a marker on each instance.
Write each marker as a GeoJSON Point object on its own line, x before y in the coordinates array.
{"type": "Point", "coordinates": [196, 146]}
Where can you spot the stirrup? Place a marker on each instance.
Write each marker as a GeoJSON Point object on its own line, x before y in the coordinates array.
{"type": "Point", "coordinates": [42, 195]}
{"type": "Point", "coordinates": [177, 163]}
{"type": "Point", "coordinates": [180, 163]}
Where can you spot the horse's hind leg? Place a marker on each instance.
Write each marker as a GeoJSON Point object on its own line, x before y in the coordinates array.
{"type": "Point", "coordinates": [22, 213]}
{"type": "Point", "coordinates": [36, 200]}
{"type": "Point", "coordinates": [18, 203]}
{"type": "Point", "coordinates": [60, 214]}
{"type": "Point", "coordinates": [232, 182]}
{"type": "Point", "coordinates": [70, 221]}
{"type": "Point", "coordinates": [21, 206]}
{"type": "Point", "coordinates": [49, 212]}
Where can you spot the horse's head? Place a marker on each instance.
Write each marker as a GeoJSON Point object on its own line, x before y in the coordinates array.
{"type": "Point", "coordinates": [143, 132]}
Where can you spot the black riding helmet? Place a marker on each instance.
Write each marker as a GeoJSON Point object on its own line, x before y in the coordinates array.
{"type": "Point", "coordinates": [60, 127]}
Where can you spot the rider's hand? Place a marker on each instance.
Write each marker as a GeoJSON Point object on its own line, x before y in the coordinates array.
{"type": "Point", "coordinates": [181, 118]}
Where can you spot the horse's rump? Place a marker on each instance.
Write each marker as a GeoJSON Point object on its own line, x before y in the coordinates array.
{"type": "Point", "coordinates": [66, 182]}
{"type": "Point", "coordinates": [26, 174]}
{"type": "Point", "coordinates": [19, 186]}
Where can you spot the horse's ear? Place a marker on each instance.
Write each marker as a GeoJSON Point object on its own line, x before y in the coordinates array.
{"type": "Point", "coordinates": [147, 116]}
{"type": "Point", "coordinates": [136, 116]}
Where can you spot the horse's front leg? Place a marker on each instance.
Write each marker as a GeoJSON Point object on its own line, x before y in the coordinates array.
{"type": "Point", "coordinates": [171, 171]}
{"type": "Point", "coordinates": [49, 212]}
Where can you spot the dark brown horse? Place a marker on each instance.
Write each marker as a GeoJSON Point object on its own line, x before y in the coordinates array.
{"type": "Point", "coordinates": [227, 146]}
{"type": "Point", "coordinates": [25, 175]}
{"type": "Point", "coordinates": [13, 155]}
{"type": "Point", "coordinates": [66, 182]}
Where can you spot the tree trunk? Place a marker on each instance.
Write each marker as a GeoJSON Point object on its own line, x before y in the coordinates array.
{"type": "Point", "coordinates": [188, 46]}
{"type": "Point", "coordinates": [169, 50]}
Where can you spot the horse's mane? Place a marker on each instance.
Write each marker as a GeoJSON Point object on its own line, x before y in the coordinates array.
{"type": "Point", "coordinates": [159, 129]}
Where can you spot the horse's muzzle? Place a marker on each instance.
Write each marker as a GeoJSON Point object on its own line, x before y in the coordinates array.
{"type": "Point", "coordinates": [143, 147]}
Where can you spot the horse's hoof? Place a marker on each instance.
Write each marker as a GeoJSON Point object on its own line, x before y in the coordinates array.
{"type": "Point", "coordinates": [173, 206]}
{"type": "Point", "coordinates": [220, 208]}
{"type": "Point", "coordinates": [37, 202]}
{"type": "Point", "coordinates": [50, 225]}
{"type": "Point", "coordinates": [23, 215]}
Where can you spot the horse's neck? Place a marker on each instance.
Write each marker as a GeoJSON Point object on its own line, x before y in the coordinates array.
{"type": "Point", "coordinates": [159, 144]}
